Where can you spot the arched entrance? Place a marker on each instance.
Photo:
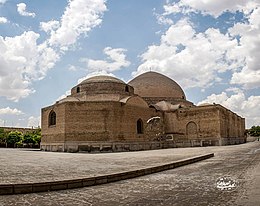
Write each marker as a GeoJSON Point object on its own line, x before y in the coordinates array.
{"type": "Point", "coordinates": [191, 130]}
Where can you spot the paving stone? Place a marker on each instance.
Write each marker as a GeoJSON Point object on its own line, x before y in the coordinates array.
{"type": "Point", "coordinates": [194, 184]}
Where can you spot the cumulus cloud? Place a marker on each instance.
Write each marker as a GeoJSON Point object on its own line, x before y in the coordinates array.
{"type": "Point", "coordinates": [248, 108]}
{"type": "Point", "coordinates": [197, 59]}
{"type": "Point", "coordinates": [49, 26]}
{"type": "Point", "coordinates": [161, 19]}
{"type": "Point", "coordinates": [9, 111]}
{"type": "Point", "coordinates": [79, 18]}
{"type": "Point", "coordinates": [246, 77]}
{"type": "Point", "coordinates": [21, 9]}
{"type": "Point", "coordinates": [3, 20]}
{"type": "Point", "coordinates": [22, 61]}
{"type": "Point", "coordinates": [116, 60]}
{"type": "Point", "coordinates": [193, 59]}
{"type": "Point", "coordinates": [249, 50]}
{"type": "Point", "coordinates": [209, 7]}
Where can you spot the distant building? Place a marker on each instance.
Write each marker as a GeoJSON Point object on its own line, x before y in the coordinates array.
{"type": "Point", "coordinates": [104, 113]}
{"type": "Point", "coordinates": [23, 130]}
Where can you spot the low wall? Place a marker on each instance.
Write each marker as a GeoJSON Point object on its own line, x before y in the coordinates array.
{"type": "Point", "coordinates": [99, 146]}
{"type": "Point", "coordinates": [9, 189]}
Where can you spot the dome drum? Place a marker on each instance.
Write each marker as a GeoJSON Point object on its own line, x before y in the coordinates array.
{"type": "Point", "coordinates": [102, 85]}
{"type": "Point", "coordinates": [102, 88]}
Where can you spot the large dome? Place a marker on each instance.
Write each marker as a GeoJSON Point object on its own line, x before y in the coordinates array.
{"type": "Point", "coordinates": [155, 85]}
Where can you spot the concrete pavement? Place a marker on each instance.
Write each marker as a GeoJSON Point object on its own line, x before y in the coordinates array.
{"type": "Point", "coordinates": [193, 184]}
{"type": "Point", "coordinates": [30, 166]}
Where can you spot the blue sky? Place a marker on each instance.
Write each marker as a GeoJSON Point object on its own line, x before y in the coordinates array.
{"type": "Point", "coordinates": [210, 47]}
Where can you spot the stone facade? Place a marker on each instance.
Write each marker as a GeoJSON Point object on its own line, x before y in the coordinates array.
{"type": "Point", "coordinates": [105, 114]}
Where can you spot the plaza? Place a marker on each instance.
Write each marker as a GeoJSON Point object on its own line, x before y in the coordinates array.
{"type": "Point", "coordinates": [191, 184]}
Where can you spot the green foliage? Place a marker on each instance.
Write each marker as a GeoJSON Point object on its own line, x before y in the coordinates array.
{"type": "Point", "coordinates": [13, 138]}
{"type": "Point", "coordinates": [28, 138]}
{"type": "Point", "coordinates": [3, 136]}
{"type": "Point", "coordinates": [37, 139]}
{"type": "Point", "coordinates": [255, 131]}
{"type": "Point", "coordinates": [17, 139]}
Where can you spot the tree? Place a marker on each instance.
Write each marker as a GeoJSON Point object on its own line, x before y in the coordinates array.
{"type": "Point", "coordinates": [255, 131]}
{"type": "Point", "coordinates": [3, 136]}
{"type": "Point", "coordinates": [37, 136]}
{"type": "Point", "coordinates": [13, 138]}
{"type": "Point", "coordinates": [37, 139]}
{"type": "Point", "coordinates": [28, 139]}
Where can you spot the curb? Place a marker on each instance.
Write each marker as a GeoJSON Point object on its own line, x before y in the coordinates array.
{"type": "Point", "coordinates": [10, 189]}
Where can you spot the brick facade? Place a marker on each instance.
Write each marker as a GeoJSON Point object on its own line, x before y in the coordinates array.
{"type": "Point", "coordinates": [104, 114]}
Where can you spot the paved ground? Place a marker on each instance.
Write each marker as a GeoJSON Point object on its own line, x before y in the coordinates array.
{"type": "Point", "coordinates": [194, 184]}
{"type": "Point", "coordinates": [26, 166]}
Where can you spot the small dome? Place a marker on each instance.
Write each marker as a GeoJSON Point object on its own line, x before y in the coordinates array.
{"type": "Point", "coordinates": [204, 104]}
{"type": "Point", "coordinates": [69, 99]}
{"type": "Point", "coordinates": [153, 84]}
{"type": "Point", "coordinates": [102, 85]}
{"type": "Point", "coordinates": [102, 78]}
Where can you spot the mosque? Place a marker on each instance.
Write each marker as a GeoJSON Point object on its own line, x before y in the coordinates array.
{"type": "Point", "coordinates": [105, 114]}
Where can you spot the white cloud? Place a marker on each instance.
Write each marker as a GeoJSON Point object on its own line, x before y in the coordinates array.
{"type": "Point", "coordinates": [249, 108]}
{"type": "Point", "coordinates": [9, 111]}
{"type": "Point", "coordinates": [3, 1]}
{"type": "Point", "coordinates": [79, 18]}
{"type": "Point", "coordinates": [34, 121]}
{"type": "Point", "coordinates": [249, 50]}
{"type": "Point", "coordinates": [50, 26]}
{"type": "Point", "coordinates": [193, 59]}
{"type": "Point", "coordinates": [172, 8]}
{"type": "Point", "coordinates": [210, 7]}
{"type": "Point", "coordinates": [3, 20]}
{"type": "Point", "coordinates": [246, 77]}
{"type": "Point", "coordinates": [22, 61]}
{"type": "Point", "coordinates": [21, 9]}
{"type": "Point", "coordinates": [198, 59]}
{"type": "Point", "coordinates": [161, 19]}
{"type": "Point", "coordinates": [116, 60]}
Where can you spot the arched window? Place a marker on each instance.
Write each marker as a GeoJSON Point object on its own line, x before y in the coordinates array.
{"type": "Point", "coordinates": [52, 118]}
{"type": "Point", "coordinates": [126, 89]}
{"type": "Point", "coordinates": [139, 126]}
{"type": "Point", "coordinates": [78, 89]}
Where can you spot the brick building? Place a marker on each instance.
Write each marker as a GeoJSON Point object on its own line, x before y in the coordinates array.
{"type": "Point", "coordinates": [104, 113]}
